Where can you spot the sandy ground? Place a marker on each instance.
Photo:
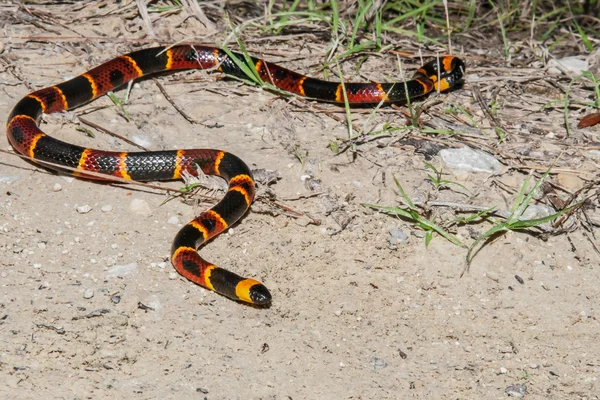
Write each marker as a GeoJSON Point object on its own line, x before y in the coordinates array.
{"type": "Point", "coordinates": [90, 306]}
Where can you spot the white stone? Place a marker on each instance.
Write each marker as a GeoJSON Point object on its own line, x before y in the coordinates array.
{"type": "Point", "coordinates": [140, 207]}
{"type": "Point", "coordinates": [121, 270]}
{"type": "Point", "coordinates": [572, 64]}
{"type": "Point", "coordinates": [84, 209]}
{"type": "Point", "coordinates": [467, 159]}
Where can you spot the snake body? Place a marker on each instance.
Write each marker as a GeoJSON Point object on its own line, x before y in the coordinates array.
{"type": "Point", "coordinates": [28, 139]}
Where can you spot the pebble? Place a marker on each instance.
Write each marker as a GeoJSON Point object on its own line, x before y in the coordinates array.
{"type": "Point", "coordinates": [174, 220]}
{"type": "Point", "coordinates": [396, 236]}
{"type": "Point", "coordinates": [173, 275]}
{"type": "Point", "coordinates": [84, 209]}
{"type": "Point", "coordinates": [106, 208]}
{"type": "Point", "coordinates": [258, 130]}
{"type": "Point", "coordinates": [141, 140]}
{"type": "Point", "coordinates": [467, 159]}
{"type": "Point", "coordinates": [8, 179]}
{"type": "Point", "coordinates": [594, 154]}
{"type": "Point", "coordinates": [57, 187]}
{"type": "Point", "coordinates": [88, 294]}
{"type": "Point", "coordinates": [140, 207]}
{"type": "Point", "coordinates": [503, 370]}
{"type": "Point", "coordinates": [378, 363]}
{"type": "Point", "coordinates": [121, 270]}
{"type": "Point", "coordinates": [569, 181]}
{"type": "Point", "coordinates": [37, 266]}
{"type": "Point", "coordinates": [516, 390]}
{"type": "Point", "coordinates": [303, 221]}
{"type": "Point", "coordinates": [572, 64]}
{"type": "Point", "coordinates": [534, 211]}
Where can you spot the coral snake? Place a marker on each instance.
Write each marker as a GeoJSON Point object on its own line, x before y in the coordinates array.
{"type": "Point", "coordinates": [27, 138]}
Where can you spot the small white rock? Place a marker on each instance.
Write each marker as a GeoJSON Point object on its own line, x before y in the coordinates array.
{"type": "Point", "coordinates": [8, 179]}
{"type": "Point", "coordinates": [173, 220]}
{"type": "Point", "coordinates": [88, 294]}
{"type": "Point", "coordinates": [467, 159]}
{"type": "Point", "coordinates": [121, 270]}
{"type": "Point", "coordinates": [37, 266]}
{"type": "Point", "coordinates": [572, 64]}
{"type": "Point", "coordinates": [141, 140]}
{"type": "Point", "coordinates": [140, 207]}
{"type": "Point", "coordinates": [503, 370]}
{"type": "Point", "coordinates": [84, 209]}
{"type": "Point", "coordinates": [57, 187]}
{"type": "Point", "coordinates": [594, 154]}
{"type": "Point", "coordinates": [106, 208]}
{"type": "Point", "coordinates": [173, 275]}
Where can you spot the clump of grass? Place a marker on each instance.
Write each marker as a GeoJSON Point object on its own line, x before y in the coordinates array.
{"type": "Point", "coordinates": [413, 215]}
{"type": "Point", "coordinates": [515, 222]}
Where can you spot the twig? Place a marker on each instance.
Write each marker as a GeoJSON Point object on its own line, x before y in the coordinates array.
{"type": "Point", "coordinates": [175, 106]}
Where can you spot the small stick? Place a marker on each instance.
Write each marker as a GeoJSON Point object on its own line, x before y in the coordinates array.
{"type": "Point", "coordinates": [175, 106]}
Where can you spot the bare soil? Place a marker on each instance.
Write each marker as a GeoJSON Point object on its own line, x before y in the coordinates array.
{"type": "Point", "coordinates": [90, 306]}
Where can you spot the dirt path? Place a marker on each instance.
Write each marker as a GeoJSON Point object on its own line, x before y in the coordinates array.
{"type": "Point", "coordinates": [90, 306]}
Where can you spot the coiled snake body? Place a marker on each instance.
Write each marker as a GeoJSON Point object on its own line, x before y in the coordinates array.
{"type": "Point", "coordinates": [28, 139]}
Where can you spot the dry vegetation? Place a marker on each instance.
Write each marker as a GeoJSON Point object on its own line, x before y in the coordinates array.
{"type": "Point", "coordinates": [354, 315]}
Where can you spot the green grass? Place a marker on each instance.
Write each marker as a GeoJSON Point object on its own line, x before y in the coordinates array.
{"type": "Point", "coordinates": [515, 222]}
{"type": "Point", "coordinates": [414, 216]}
{"type": "Point", "coordinates": [120, 102]}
